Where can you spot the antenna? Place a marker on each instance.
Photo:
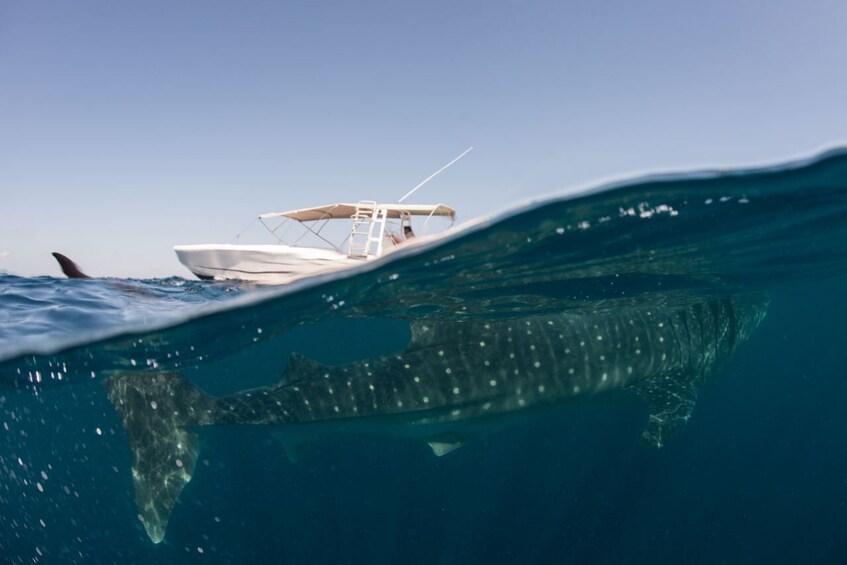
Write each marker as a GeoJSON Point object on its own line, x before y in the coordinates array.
{"type": "Point", "coordinates": [433, 175]}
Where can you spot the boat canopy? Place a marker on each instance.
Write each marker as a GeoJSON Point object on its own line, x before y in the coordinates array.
{"type": "Point", "coordinates": [347, 210]}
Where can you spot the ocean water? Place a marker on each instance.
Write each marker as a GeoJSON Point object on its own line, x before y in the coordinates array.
{"type": "Point", "coordinates": [757, 474]}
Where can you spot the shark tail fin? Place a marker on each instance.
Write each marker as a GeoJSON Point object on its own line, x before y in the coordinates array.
{"type": "Point", "coordinates": [156, 411]}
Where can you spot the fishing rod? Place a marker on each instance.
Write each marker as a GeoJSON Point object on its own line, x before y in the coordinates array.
{"type": "Point", "coordinates": [436, 173]}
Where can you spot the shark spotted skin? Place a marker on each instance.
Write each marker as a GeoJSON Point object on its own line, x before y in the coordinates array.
{"type": "Point", "coordinates": [454, 381]}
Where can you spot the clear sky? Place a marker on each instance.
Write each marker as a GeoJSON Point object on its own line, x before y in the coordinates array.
{"type": "Point", "coordinates": [126, 128]}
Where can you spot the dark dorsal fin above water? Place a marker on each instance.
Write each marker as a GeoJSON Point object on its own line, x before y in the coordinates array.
{"type": "Point", "coordinates": [71, 269]}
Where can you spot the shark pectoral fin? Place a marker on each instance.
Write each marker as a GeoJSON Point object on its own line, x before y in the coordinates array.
{"type": "Point", "coordinates": [440, 448]}
{"type": "Point", "coordinates": [670, 400]}
{"type": "Point", "coordinates": [445, 443]}
{"type": "Point", "coordinates": [294, 449]}
{"type": "Point", "coordinates": [155, 411]}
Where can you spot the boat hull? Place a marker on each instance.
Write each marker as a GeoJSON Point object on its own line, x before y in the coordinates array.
{"type": "Point", "coordinates": [268, 264]}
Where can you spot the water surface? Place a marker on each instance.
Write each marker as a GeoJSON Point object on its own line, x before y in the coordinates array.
{"type": "Point", "coordinates": [759, 473]}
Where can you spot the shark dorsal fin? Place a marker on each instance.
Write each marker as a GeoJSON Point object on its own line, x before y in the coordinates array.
{"type": "Point", "coordinates": [71, 269]}
{"type": "Point", "coordinates": [429, 334]}
{"type": "Point", "coordinates": [301, 368]}
{"type": "Point", "coordinates": [440, 333]}
{"type": "Point", "coordinates": [422, 333]}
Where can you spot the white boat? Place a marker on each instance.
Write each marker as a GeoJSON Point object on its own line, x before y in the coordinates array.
{"type": "Point", "coordinates": [374, 230]}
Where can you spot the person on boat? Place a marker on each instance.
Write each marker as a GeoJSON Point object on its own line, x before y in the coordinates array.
{"type": "Point", "coordinates": [395, 237]}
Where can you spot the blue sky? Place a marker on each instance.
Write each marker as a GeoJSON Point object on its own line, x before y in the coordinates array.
{"type": "Point", "coordinates": [128, 128]}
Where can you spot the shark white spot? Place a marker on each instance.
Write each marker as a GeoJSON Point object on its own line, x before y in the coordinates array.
{"type": "Point", "coordinates": [492, 382]}
{"type": "Point", "coordinates": [456, 390]}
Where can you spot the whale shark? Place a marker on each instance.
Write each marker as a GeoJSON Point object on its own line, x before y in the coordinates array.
{"type": "Point", "coordinates": [455, 381]}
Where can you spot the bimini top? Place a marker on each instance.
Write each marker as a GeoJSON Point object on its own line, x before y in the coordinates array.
{"type": "Point", "coordinates": [347, 210]}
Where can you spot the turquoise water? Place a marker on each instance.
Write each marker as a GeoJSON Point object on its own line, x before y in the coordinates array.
{"type": "Point", "coordinates": [757, 474]}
